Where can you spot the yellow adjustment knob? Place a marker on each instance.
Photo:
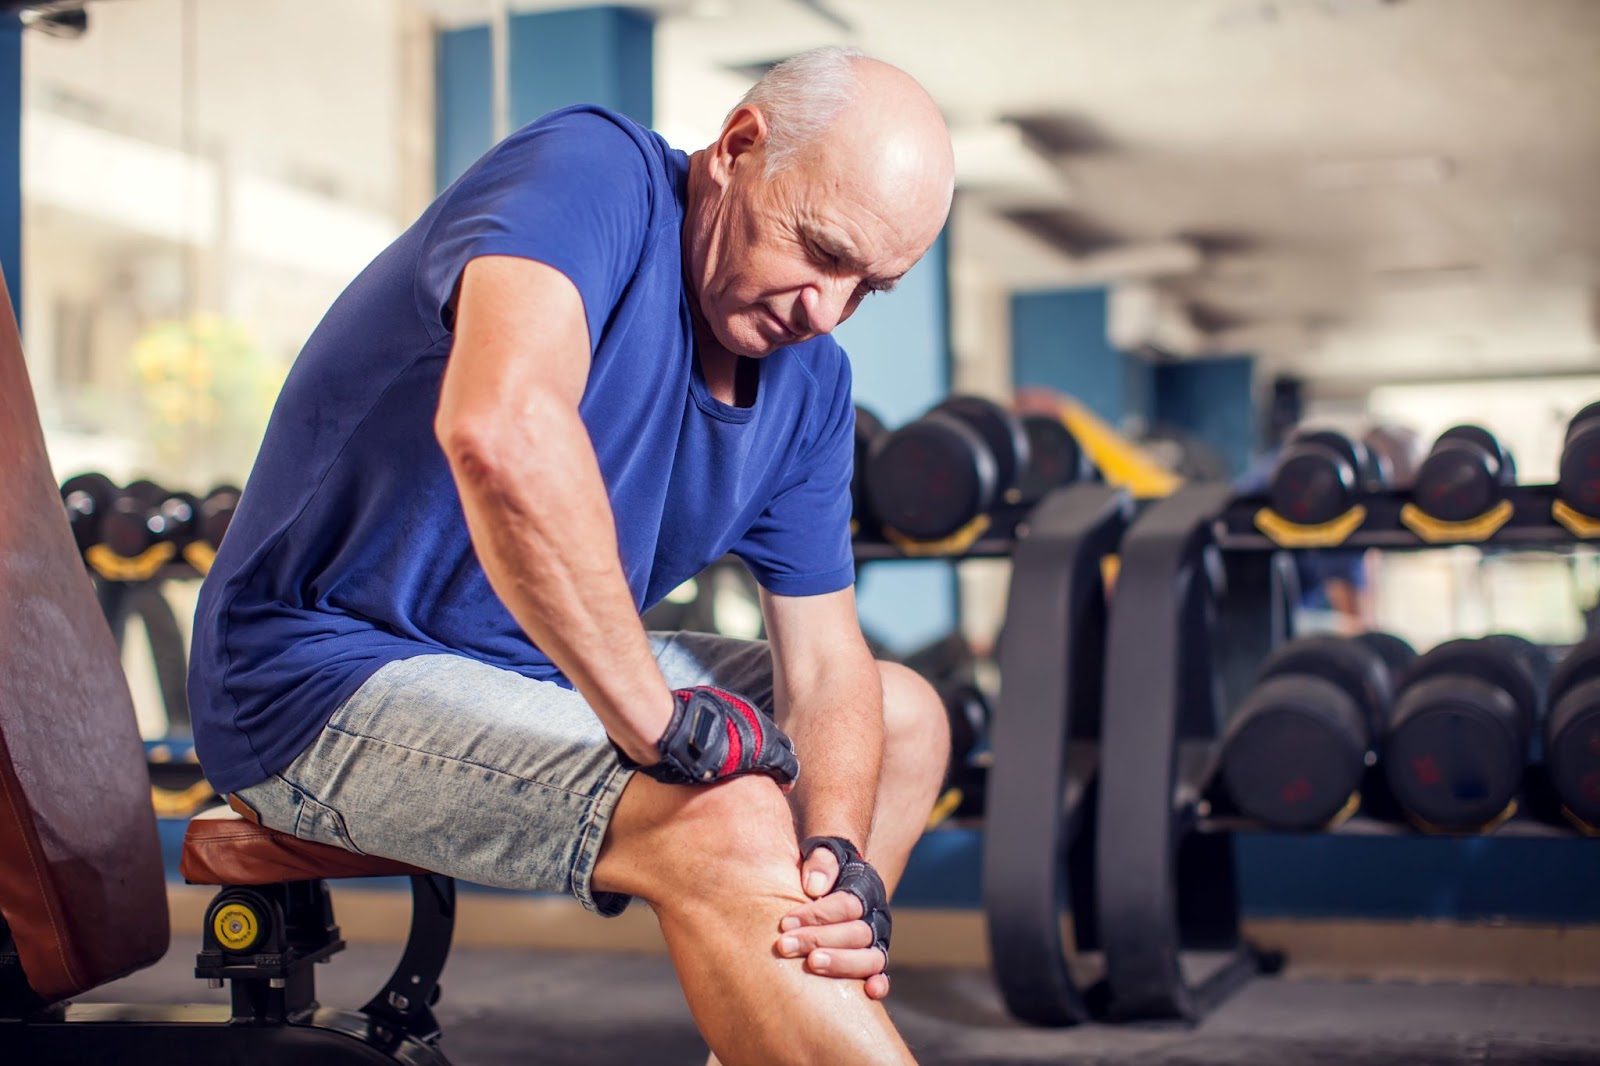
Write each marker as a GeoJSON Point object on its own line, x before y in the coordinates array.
{"type": "Point", "coordinates": [236, 926]}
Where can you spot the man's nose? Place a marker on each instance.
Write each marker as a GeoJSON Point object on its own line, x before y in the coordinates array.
{"type": "Point", "coordinates": [827, 303]}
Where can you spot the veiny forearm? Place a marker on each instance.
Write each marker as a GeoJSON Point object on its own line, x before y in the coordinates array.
{"type": "Point", "coordinates": [542, 526]}
{"type": "Point", "coordinates": [834, 715]}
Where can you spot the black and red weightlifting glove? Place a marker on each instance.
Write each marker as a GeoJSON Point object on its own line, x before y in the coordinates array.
{"type": "Point", "coordinates": [715, 735]}
{"type": "Point", "coordinates": [857, 877]}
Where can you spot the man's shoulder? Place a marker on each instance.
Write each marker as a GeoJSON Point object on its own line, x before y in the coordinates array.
{"type": "Point", "coordinates": [596, 129]}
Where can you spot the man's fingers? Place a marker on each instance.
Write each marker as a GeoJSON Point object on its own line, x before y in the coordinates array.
{"type": "Point", "coordinates": [878, 986]}
{"type": "Point", "coordinates": [806, 940]}
{"type": "Point", "coordinates": [857, 963]}
{"type": "Point", "coordinates": [819, 872]}
{"type": "Point", "coordinates": [831, 909]}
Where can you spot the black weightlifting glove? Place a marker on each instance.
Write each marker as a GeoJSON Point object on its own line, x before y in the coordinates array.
{"type": "Point", "coordinates": [857, 877]}
{"type": "Point", "coordinates": [715, 735]}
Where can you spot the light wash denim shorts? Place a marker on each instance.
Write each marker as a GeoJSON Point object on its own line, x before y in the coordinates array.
{"type": "Point", "coordinates": [480, 773]}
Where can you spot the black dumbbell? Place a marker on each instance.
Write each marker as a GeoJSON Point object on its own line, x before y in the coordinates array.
{"type": "Point", "coordinates": [1578, 484]}
{"type": "Point", "coordinates": [932, 477]}
{"type": "Point", "coordinates": [868, 430]}
{"type": "Point", "coordinates": [87, 498]}
{"type": "Point", "coordinates": [1457, 743]}
{"type": "Point", "coordinates": [1572, 732]}
{"type": "Point", "coordinates": [1321, 474]}
{"type": "Point", "coordinates": [967, 711]}
{"type": "Point", "coordinates": [1295, 751]}
{"type": "Point", "coordinates": [1465, 474]}
{"type": "Point", "coordinates": [216, 512]}
{"type": "Point", "coordinates": [144, 514]}
{"type": "Point", "coordinates": [1055, 458]}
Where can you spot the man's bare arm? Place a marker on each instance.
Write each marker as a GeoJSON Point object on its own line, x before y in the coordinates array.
{"type": "Point", "coordinates": [535, 503]}
{"type": "Point", "coordinates": [830, 701]}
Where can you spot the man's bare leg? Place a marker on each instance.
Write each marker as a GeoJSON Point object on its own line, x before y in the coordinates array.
{"type": "Point", "coordinates": [916, 751]}
{"type": "Point", "coordinates": [719, 865]}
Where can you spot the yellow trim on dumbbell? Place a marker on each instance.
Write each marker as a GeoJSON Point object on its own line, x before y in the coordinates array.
{"type": "Point", "coordinates": [946, 805]}
{"type": "Point", "coordinates": [200, 555]}
{"type": "Point", "coordinates": [1578, 823]}
{"type": "Point", "coordinates": [1487, 827]}
{"type": "Point", "coordinates": [180, 803]}
{"type": "Point", "coordinates": [235, 937]}
{"type": "Point", "coordinates": [142, 567]}
{"type": "Point", "coordinates": [1579, 525]}
{"type": "Point", "coordinates": [1345, 813]}
{"type": "Point", "coordinates": [1331, 534]}
{"type": "Point", "coordinates": [954, 544]}
{"type": "Point", "coordinates": [1110, 567]}
{"type": "Point", "coordinates": [1435, 531]}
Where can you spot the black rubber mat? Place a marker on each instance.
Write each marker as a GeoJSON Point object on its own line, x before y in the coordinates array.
{"type": "Point", "coordinates": [545, 1009]}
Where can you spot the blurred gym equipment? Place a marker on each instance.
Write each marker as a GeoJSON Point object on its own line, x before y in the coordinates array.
{"type": "Point", "coordinates": [940, 475]}
{"type": "Point", "coordinates": [1464, 475]}
{"type": "Point", "coordinates": [1296, 749]}
{"type": "Point", "coordinates": [1321, 475]}
{"type": "Point", "coordinates": [1578, 484]}
{"type": "Point", "coordinates": [1572, 735]}
{"type": "Point", "coordinates": [1457, 742]}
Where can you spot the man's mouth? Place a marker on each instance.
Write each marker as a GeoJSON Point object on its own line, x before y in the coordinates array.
{"type": "Point", "coordinates": [782, 327]}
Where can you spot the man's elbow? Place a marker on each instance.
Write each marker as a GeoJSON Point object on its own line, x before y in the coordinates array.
{"type": "Point", "coordinates": [475, 447]}
{"type": "Point", "coordinates": [493, 447]}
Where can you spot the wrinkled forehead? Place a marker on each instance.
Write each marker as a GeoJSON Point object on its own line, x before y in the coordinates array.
{"type": "Point", "coordinates": [896, 209]}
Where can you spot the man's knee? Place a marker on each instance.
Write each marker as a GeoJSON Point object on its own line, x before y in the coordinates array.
{"type": "Point", "coordinates": [914, 720]}
{"type": "Point", "coordinates": [702, 839]}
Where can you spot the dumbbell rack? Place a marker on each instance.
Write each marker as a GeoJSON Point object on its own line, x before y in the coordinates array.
{"type": "Point", "coordinates": [1164, 871]}
{"type": "Point", "coordinates": [1039, 807]}
{"type": "Point", "coordinates": [1038, 850]}
{"type": "Point", "coordinates": [1185, 620]}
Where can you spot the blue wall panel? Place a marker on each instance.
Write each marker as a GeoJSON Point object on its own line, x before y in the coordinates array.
{"type": "Point", "coordinates": [600, 55]}
{"type": "Point", "coordinates": [11, 158]}
{"type": "Point", "coordinates": [1058, 340]}
{"type": "Point", "coordinates": [464, 108]}
{"type": "Point", "coordinates": [1213, 399]}
{"type": "Point", "coordinates": [592, 55]}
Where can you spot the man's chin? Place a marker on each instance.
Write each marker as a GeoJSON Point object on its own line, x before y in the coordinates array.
{"type": "Point", "coordinates": [750, 345]}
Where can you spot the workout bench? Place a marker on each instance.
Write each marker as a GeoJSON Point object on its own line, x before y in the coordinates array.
{"type": "Point", "coordinates": [82, 894]}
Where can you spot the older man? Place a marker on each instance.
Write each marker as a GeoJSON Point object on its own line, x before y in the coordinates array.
{"type": "Point", "coordinates": [592, 367]}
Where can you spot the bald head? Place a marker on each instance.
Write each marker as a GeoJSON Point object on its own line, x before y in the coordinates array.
{"type": "Point", "coordinates": [859, 121]}
{"type": "Point", "coordinates": [890, 140]}
{"type": "Point", "coordinates": [830, 179]}
{"type": "Point", "coordinates": [808, 96]}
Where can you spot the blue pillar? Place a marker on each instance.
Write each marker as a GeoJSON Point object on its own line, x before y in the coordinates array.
{"type": "Point", "coordinates": [1214, 400]}
{"type": "Point", "coordinates": [899, 345]}
{"type": "Point", "coordinates": [595, 55]}
{"type": "Point", "coordinates": [11, 158]}
{"type": "Point", "coordinates": [1058, 341]}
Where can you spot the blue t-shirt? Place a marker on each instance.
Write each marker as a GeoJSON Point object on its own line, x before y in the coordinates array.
{"type": "Point", "coordinates": [350, 550]}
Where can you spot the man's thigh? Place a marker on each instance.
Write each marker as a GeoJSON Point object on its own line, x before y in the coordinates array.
{"type": "Point", "coordinates": [462, 768]}
{"type": "Point", "coordinates": [740, 666]}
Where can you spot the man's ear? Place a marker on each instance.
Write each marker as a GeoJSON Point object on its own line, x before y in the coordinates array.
{"type": "Point", "coordinates": [743, 141]}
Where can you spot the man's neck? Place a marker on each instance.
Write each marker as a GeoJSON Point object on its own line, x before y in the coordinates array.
{"type": "Point", "coordinates": [730, 378]}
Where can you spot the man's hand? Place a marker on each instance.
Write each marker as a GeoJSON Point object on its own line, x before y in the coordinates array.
{"type": "Point", "coordinates": [845, 932]}
{"type": "Point", "coordinates": [715, 735]}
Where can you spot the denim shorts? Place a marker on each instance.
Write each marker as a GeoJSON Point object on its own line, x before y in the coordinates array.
{"type": "Point", "coordinates": [469, 770]}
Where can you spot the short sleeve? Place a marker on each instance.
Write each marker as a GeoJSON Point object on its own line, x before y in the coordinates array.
{"type": "Point", "coordinates": [800, 543]}
{"type": "Point", "coordinates": [572, 190]}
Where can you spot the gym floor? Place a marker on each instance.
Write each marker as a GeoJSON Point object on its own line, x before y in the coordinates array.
{"type": "Point", "coordinates": [541, 1008]}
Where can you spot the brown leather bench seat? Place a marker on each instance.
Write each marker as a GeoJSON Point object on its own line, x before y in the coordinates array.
{"type": "Point", "coordinates": [221, 847]}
